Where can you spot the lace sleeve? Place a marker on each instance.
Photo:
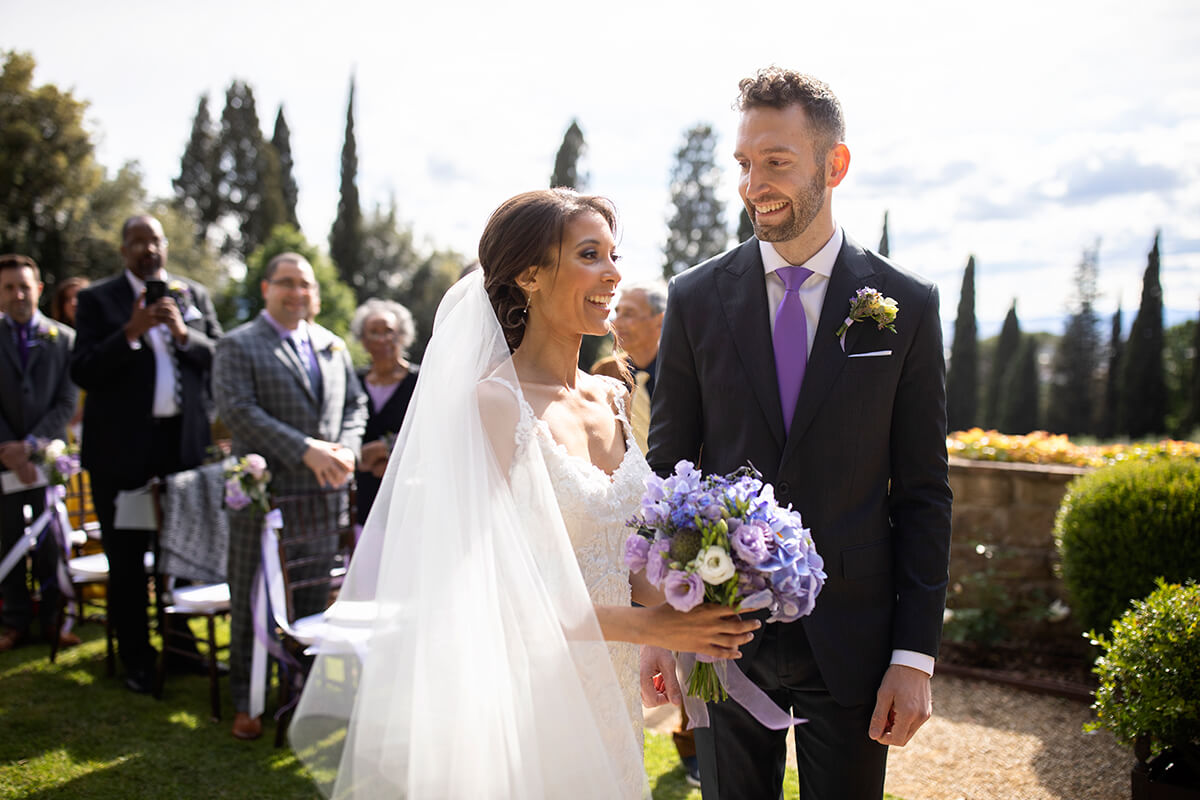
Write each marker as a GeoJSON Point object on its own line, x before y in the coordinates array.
{"type": "Point", "coordinates": [523, 430]}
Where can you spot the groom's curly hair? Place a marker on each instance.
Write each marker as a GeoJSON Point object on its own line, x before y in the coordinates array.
{"type": "Point", "coordinates": [527, 231]}
{"type": "Point", "coordinates": [776, 87]}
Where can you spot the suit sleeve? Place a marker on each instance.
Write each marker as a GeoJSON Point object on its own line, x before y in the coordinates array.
{"type": "Point", "coordinates": [676, 417]}
{"type": "Point", "coordinates": [920, 497]}
{"type": "Point", "coordinates": [239, 408]}
{"type": "Point", "coordinates": [202, 340]}
{"type": "Point", "coordinates": [100, 356]}
{"type": "Point", "coordinates": [354, 409]}
{"type": "Point", "coordinates": [66, 395]}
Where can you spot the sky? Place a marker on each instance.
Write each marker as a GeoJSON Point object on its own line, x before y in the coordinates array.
{"type": "Point", "coordinates": [1019, 132]}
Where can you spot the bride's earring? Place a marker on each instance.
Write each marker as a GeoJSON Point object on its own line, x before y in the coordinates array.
{"type": "Point", "coordinates": [528, 300]}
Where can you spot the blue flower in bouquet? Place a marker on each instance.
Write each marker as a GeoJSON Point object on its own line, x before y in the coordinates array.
{"type": "Point", "coordinates": [710, 506]}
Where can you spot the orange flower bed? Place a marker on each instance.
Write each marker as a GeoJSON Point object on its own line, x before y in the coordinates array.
{"type": "Point", "coordinates": [1041, 447]}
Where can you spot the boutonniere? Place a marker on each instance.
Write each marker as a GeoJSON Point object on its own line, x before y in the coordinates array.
{"type": "Point", "coordinates": [336, 346]}
{"type": "Point", "coordinates": [869, 304]}
{"type": "Point", "coordinates": [179, 290]}
{"type": "Point", "coordinates": [50, 333]}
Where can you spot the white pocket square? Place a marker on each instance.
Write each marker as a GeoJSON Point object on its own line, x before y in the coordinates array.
{"type": "Point", "coordinates": [872, 354]}
{"type": "Point", "coordinates": [192, 313]}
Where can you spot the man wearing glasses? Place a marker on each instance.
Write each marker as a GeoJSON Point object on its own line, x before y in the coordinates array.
{"type": "Point", "coordinates": [286, 389]}
{"type": "Point", "coordinates": [143, 353]}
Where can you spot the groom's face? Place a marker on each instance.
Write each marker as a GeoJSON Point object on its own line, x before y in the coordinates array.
{"type": "Point", "coordinates": [783, 182]}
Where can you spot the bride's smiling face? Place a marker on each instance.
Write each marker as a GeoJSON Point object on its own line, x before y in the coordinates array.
{"type": "Point", "coordinates": [576, 296]}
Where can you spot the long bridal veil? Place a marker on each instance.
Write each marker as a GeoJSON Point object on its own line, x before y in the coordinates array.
{"type": "Point", "coordinates": [485, 674]}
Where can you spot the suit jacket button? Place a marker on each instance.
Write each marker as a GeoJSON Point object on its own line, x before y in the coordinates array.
{"type": "Point", "coordinates": [782, 488]}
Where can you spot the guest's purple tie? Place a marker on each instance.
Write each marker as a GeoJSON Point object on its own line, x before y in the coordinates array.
{"type": "Point", "coordinates": [791, 340]}
{"type": "Point", "coordinates": [23, 345]}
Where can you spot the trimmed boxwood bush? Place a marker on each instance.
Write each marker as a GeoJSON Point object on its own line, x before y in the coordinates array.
{"type": "Point", "coordinates": [1148, 674]}
{"type": "Point", "coordinates": [1121, 527]}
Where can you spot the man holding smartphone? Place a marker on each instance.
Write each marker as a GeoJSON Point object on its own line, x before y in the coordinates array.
{"type": "Point", "coordinates": [143, 353]}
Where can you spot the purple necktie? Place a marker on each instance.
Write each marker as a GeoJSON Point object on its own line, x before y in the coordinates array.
{"type": "Point", "coordinates": [791, 340]}
{"type": "Point", "coordinates": [23, 345]}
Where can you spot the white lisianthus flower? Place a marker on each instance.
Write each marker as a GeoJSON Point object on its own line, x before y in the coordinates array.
{"type": "Point", "coordinates": [54, 449]}
{"type": "Point", "coordinates": [714, 565]}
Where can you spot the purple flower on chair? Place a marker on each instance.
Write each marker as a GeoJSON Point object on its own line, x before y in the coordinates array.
{"type": "Point", "coordinates": [235, 497]}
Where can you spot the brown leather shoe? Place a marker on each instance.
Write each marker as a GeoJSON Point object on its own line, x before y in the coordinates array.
{"type": "Point", "coordinates": [10, 638]}
{"type": "Point", "coordinates": [67, 639]}
{"type": "Point", "coordinates": [246, 727]}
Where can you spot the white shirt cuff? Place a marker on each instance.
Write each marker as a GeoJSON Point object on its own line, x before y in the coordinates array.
{"type": "Point", "coordinates": [911, 658]}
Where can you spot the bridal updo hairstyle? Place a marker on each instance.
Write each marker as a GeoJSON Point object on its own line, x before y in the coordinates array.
{"type": "Point", "coordinates": [527, 230]}
{"type": "Point", "coordinates": [775, 87]}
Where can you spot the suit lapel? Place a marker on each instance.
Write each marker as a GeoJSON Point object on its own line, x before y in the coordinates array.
{"type": "Point", "coordinates": [742, 287]}
{"type": "Point", "coordinates": [851, 271]}
{"type": "Point", "coordinates": [322, 342]}
{"type": "Point", "coordinates": [8, 345]}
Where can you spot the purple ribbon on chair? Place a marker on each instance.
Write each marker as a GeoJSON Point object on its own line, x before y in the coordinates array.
{"type": "Point", "coordinates": [52, 520]}
{"type": "Point", "coordinates": [740, 689]}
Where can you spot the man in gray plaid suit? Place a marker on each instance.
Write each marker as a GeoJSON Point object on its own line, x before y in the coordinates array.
{"type": "Point", "coordinates": [287, 390]}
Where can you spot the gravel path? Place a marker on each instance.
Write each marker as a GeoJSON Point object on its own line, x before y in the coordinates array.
{"type": "Point", "coordinates": [989, 742]}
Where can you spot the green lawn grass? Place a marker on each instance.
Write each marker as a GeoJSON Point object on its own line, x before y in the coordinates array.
{"type": "Point", "coordinates": [69, 731]}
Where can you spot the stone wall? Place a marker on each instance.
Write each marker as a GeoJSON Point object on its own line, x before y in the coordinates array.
{"type": "Point", "coordinates": [1003, 537]}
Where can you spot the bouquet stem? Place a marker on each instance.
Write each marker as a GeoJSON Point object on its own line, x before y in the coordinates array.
{"type": "Point", "coordinates": [705, 684]}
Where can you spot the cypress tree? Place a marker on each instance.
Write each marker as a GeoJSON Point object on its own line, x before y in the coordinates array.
{"type": "Point", "coordinates": [345, 238]}
{"type": "Point", "coordinates": [248, 187]}
{"type": "Point", "coordinates": [884, 249]}
{"type": "Point", "coordinates": [1019, 405]}
{"type": "Point", "coordinates": [1143, 386]}
{"type": "Point", "coordinates": [1193, 418]}
{"type": "Point", "coordinates": [745, 226]}
{"type": "Point", "coordinates": [962, 386]}
{"type": "Point", "coordinates": [1110, 416]}
{"type": "Point", "coordinates": [566, 161]}
{"type": "Point", "coordinates": [281, 140]}
{"type": "Point", "coordinates": [1077, 358]}
{"type": "Point", "coordinates": [1006, 349]}
{"type": "Point", "coordinates": [199, 175]}
{"type": "Point", "coordinates": [696, 229]}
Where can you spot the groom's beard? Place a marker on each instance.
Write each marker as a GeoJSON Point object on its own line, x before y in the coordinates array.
{"type": "Point", "coordinates": [805, 207]}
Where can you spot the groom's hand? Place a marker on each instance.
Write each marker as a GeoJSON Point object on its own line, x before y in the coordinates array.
{"type": "Point", "coordinates": [902, 705]}
{"type": "Point", "coordinates": [659, 684]}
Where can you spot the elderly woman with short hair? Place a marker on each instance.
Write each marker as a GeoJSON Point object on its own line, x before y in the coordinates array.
{"type": "Point", "coordinates": [386, 330]}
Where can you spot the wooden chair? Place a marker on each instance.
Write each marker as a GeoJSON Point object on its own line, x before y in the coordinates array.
{"type": "Point", "coordinates": [207, 600]}
{"type": "Point", "coordinates": [87, 567]}
{"type": "Point", "coordinates": [303, 576]}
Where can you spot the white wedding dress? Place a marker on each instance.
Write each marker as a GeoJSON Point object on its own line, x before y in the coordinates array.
{"type": "Point", "coordinates": [485, 674]}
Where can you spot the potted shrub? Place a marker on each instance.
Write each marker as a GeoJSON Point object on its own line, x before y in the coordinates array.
{"type": "Point", "coordinates": [1149, 694]}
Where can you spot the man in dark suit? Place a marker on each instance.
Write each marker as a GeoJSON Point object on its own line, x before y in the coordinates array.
{"type": "Point", "coordinates": [856, 443]}
{"type": "Point", "coordinates": [287, 390]}
{"type": "Point", "coordinates": [36, 400]}
{"type": "Point", "coordinates": [145, 367]}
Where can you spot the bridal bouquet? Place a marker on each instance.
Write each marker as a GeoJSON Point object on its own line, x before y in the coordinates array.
{"type": "Point", "coordinates": [246, 482]}
{"type": "Point", "coordinates": [723, 540]}
{"type": "Point", "coordinates": [58, 460]}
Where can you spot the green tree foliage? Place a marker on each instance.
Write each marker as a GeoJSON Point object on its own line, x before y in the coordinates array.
{"type": "Point", "coordinates": [47, 168]}
{"type": "Point", "coordinates": [337, 299]}
{"type": "Point", "coordinates": [1072, 384]}
{"type": "Point", "coordinates": [281, 140]}
{"type": "Point", "coordinates": [962, 382]}
{"type": "Point", "coordinates": [1194, 415]}
{"type": "Point", "coordinates": [1110, 416]}
{"type": "Point", "coordinates": [1143, 386]}
{"type": "Point", "coordinates": [1019, 403]}
{"type": "Point", "coordinates": [884, 247]}
{"type": "Point", "coordinates": [745, 226]}
{"type": "Point", "coordinates": [696, 229]}
{"type": "Point", "coordinates": [196, 188]}
{"type": "Point", "coordinates": [1179, 367]}
{"type": "Point", "coordinates": [1007, 345]}
{"type": "Point", "coordinates": [249, 176]}
{"type": "Point", "coordinates": [424, 291]}
{"type": "Point", "coordinates": [345, 238]}
{"type": "Point", "coordinates": [566, 160]}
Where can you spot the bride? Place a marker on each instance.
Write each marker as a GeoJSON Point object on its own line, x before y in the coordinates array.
{"type": "Point", "coordinates": [502, 660]}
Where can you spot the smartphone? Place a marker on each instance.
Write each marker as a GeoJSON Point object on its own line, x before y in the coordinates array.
{"type": "Point", "coordinates": [155, 291]}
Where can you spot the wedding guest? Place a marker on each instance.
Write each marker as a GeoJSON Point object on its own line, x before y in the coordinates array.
{"type": "Point", "coordinates": [62, 307]}
{"type": "Point", "coordinates": [287, 390]}
{"type": "Point", "coordinates": [386, 330]}
{"type": "Point", "coordinates": [754, 368]}
{"type": "Point", "coordinates": [145, 365]}
{"type": "Point", "coordinates": [638, 326]}
{"type": "Point", "coordinates": [36, 399]}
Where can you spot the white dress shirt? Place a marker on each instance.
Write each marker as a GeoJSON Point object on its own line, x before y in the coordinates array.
{"type": "Point", "coordinates": [164, 366]}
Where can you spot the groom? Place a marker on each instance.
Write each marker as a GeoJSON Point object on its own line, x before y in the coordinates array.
{"type": "Point", "coordinates": [851, 432]}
